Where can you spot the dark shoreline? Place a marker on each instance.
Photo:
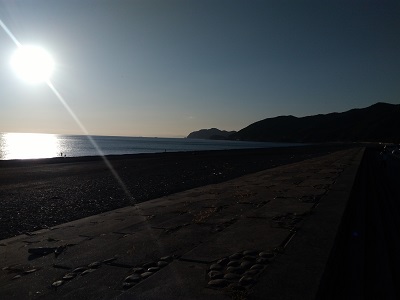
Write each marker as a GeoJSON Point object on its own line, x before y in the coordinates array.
{"type": "Point", "coordinates": [41, 193]}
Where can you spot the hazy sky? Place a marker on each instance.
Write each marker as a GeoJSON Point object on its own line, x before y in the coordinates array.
{"type": "Point", "coordinates": [166, 68]}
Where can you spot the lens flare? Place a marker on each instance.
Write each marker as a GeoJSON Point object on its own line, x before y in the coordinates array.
{"type": "Point", "coordinates": [35, 75]}
{"type": "Point", "coordinates": [33, 64]}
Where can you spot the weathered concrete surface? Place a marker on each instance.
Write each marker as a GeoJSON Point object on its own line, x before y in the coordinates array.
{"type": "Point", "coordinates": [291, 213]}
{"type": "Point", "coordinates": [297, 273]}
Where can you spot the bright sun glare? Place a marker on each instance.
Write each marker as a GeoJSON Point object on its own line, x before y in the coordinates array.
{"type": "Point", "coordinates": [32, 63]}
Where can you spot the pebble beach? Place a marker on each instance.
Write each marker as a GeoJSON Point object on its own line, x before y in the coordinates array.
{"type": "Point", "coordinates": [40, 193]}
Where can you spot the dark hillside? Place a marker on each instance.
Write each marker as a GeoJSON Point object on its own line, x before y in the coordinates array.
{"type": "Point", "coordinates": [377, 123]}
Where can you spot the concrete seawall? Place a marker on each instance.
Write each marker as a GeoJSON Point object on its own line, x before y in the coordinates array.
{"type": "Point", "coordinates": [263, 235]}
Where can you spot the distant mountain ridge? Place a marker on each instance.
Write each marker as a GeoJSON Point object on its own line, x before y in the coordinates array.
{"type": "Point", "coordinates": [210, 134]}
{"type": "Point", "coordinates": [377, 123]}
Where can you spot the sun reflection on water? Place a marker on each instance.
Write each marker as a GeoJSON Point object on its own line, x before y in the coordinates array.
{"type": "Point", "coordinates": [28, 145]}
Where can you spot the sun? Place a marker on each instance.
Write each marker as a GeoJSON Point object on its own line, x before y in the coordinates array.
{"type": "Point", "coordinates": [32, 63]}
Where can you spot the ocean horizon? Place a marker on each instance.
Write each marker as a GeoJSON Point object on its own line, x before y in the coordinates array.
{"type": "Point", "coordinates": [43, 145]}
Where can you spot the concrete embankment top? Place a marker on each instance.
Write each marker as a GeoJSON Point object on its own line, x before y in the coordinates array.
{"type": "Point", "coordinates": [267, 234]}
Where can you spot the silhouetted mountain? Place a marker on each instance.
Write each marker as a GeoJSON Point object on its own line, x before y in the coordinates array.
{"type": "Point", "coordinates": [377, 123]}
{"type": "Point", "coordinates": [213, 134]}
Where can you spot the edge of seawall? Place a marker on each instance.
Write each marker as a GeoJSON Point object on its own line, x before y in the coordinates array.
{"type": "Point", "coordinates": [309, 252]}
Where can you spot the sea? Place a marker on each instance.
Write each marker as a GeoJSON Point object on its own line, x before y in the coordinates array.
{"type": "Point", "coordinates": [39, 145]}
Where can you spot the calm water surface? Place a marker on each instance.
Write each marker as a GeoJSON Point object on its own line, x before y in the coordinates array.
{"type": "Point", "coordinates": [37, 145]}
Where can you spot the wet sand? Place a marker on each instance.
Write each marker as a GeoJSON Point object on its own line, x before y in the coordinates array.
{"type": "Point", "coordinates": [36, 194]}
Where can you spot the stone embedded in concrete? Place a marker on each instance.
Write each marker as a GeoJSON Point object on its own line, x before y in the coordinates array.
{"type": "Point", "coordinates": [250, 252]}
{"type": "Point", "coordinates": [153, 269]}
{"type": "Point", "coordinates": [69, 276]}
{"type": "Point", "coordinates": [133, 278]}
{"type": "Point", "coordinates": [246, 280]}
{"type": "Point", "coordinates": [215, 274]}
{"type": "Point", "coordinates": [30, 271]}
{"type": "Point", "coordinates": [167, 258]}
{"type": "Point", "coordinates": [94, 265]}
{"type": "Point", "coordinates": [146, 274]}
{"type": "Point", "coordinates": [109, 260]}
{"type": "Point", "coordinates": [178, 280]}
{"type": "Point", "coordinates": [231, 276]}
{"type": "Point", "coordinates": [223, 261]}
{"type": "Point", "coordinates": [162, 264]}
{"type": "Point", "coordinates": [79, 270]}
{"type": "Point", "coordinates": [138, 270]}
{"type": "Point", "coordinates": [87, 272]}
{"type": "Point", "coordinates": [215, 267]}
{"type": "Point", "coordinates": [218, 282]}
{"type": "Point", "coordinates": [257, 267]}
{"type": "Point", "coordinates": [236, 256]}
{"type": "Point", "coordinates": [246, 264]}
{"type": "Point", "coordinates": [57, 283]}
{"type": "Point", "coordinates": [150, 264]}
{"type": "Point", "coordinates": [234, 263]}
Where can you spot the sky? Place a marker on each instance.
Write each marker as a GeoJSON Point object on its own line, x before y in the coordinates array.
{"type": "Point", "coordinates": [164, 68]}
